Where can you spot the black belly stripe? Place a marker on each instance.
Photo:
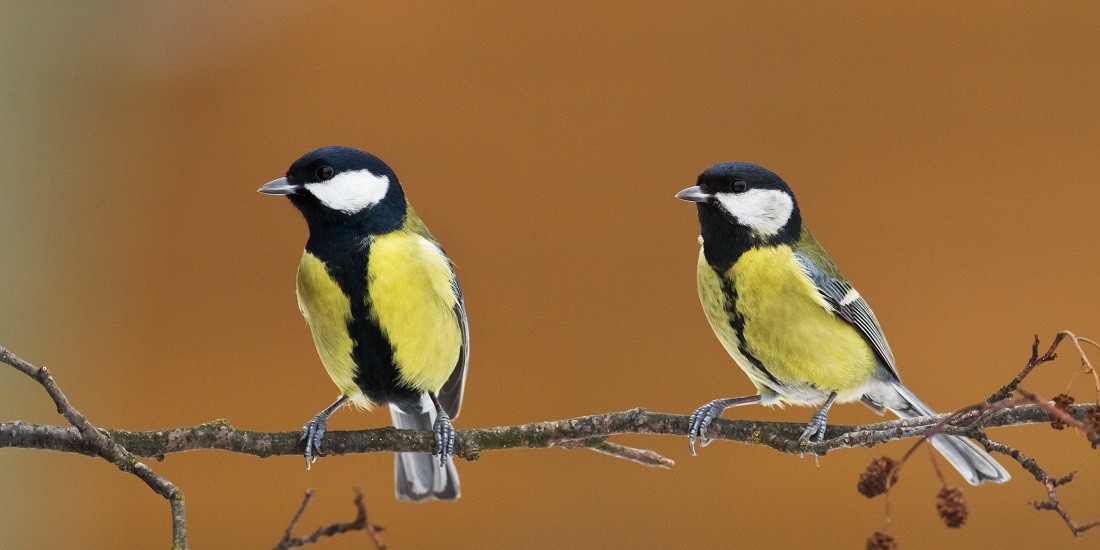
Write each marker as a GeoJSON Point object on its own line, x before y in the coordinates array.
{"type": "Point", "coordinates": [737, 323]}
{"type": "Point", "coordinates": [346, 258]}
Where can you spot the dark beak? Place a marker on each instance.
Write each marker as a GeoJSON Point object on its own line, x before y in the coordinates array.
{"type": "Point", "coordinates": [279, 187]}
{"type": "Point", "coordinates": [694, 194]}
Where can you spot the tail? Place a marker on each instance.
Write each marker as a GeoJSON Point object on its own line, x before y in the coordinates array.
{"type": "Point", "coordinates": [417, 476]}
{"type": "Point", "coordinates": [972, 462]}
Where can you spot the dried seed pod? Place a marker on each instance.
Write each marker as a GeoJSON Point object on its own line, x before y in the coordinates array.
{"type": "Point", "coordinates": [1062, 403]}
{"type": "Point", "coordinates": [881, 541]}
{"type": "Point", "coordinates": [880, 474]}
{"type": "Point", "coordinates": [1092, 420]}
{"type": "Point", "coordinates": [951, 504]}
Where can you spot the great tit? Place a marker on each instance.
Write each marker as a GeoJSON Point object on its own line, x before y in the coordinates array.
{"type": "Point", "coordinates": [384, 307]}
{"type": "Point", "coordinates": [789, 318]}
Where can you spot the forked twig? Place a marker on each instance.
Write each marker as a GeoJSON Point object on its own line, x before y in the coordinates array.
{"type": "Point", "coordinates": [360, 523]}
{"type": "Point", "coordinates": [107, 448]}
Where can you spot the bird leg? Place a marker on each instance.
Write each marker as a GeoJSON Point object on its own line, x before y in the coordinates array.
{"type": "Point", "coordinates": [703, 416]}
{"type": "Point", "coordinates": [444, 433]}
{"type": "Point", "coordinates": [817, 421]}
{"type": "Point", "coordinates": [314, 430]}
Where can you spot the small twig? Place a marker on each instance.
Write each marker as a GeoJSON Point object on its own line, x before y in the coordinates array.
{"type": "Point", "coordinates": [1052, 503]}
{"type": "Point", "coordinates": [1035, 361]}
{"type": "Point", "coordinates": [360, 523]}
{"type": "Point", "coordinates": [297, 516]}
{"type": "Point", "coordinates": [105, 447]}
{"type": "Point", "coordinates": [644, 457]}
{"type": "Point", "coordinates": [1085, 363]}
{"type": "Point", "coordinates": [1001, 401]}
{"type": "Point", "coordinates": [998, 403]}
{"type": "Point", "coordinates": [936, 466]}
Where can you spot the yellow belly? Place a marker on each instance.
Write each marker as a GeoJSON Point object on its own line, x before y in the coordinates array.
{"type": "Point", "coordinates": [327, 311]}
{"type": "Point", "coordinates": [787, 327]}
{"type": "Point", "coordinates": [412, 299]}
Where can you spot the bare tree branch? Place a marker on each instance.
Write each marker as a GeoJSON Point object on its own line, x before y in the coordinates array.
{"type": "Point", "coordinates": [1035, 361]}
{"type": "Point", "coordinates": [95, 442]}
{"type": "Point", "coordinates": [1062, 413]}
{"type": "Point", "coordinates": [590, 432]}
{"type": "Point", "coordinates": [582, 432]}
{"type": "Point", "coordinates": [1050, 484]}
{"type": "Point", "coordinates": [360, 523]}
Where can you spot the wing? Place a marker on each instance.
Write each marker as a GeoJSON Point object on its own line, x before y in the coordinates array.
{"type": "Point", "coordinates": [450, 396]}
{"type": "Point", "coordinates": [848, 305]}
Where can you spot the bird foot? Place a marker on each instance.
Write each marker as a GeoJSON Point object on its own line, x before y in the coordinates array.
{"type": "Point", "coordinates": [312, 433]}
{"type": "Point", "coordinates": [816, 427]}
{"type": "Point", "coordinates": [444, 438]}
{"type": "Point", "coordinates": [700, 420]}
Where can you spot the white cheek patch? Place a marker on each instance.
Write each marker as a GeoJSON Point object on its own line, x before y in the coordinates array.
{"type": "Point", "coordinates": [351, 192]}
{"type": "Point", "coordinates": [765, 211]}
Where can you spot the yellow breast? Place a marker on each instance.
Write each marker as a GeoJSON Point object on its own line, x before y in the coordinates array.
{"type": "Point", "coordinates": [327, 311]}
{"type": "Point", "coordinates": [413, 300]}
{"type": "Point", "coordinates": [786, 326]}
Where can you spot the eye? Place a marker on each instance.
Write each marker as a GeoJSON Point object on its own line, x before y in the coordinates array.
{"type": "Point", "coordinates": [324, 172]}
{"type": "Point", "coordinates": [739, 186]}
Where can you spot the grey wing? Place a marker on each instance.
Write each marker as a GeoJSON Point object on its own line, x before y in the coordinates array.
{"type": "Point", "coordinates": [450, 396]}
{"type": "Point", "coordinates": [850, 306]}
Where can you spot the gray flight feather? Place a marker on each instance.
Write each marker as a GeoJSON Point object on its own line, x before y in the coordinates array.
{"type": "Point", "coordinates": [450, 396]}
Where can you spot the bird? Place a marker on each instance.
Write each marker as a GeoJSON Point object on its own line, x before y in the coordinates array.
{"type": "Point", "coordinates": [384, 307]}
{"type": "Point", "coordinates": [794, 324]}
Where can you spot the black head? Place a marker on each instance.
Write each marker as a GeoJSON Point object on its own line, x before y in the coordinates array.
{"type": "Point", "coordinates": [335, 186]}
{"type": "Point", "coordinates": [749, 196]}
{"type": "Point", "coordinates": [742, 205]}
{"type": "Point", "coordinates": [739, 177]}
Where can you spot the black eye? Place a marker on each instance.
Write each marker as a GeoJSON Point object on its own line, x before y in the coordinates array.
{"type": "Point", "coordinates": [325, 173]}
{"type": "Point", "coordinates": [739, 186]}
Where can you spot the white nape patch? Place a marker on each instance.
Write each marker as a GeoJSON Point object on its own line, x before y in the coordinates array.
{"type": "Point", "coordinates": [849, 297]}
{"type": "Point", "coordinates": [765, 211]}
{"type": "Point", "coordinates": [700, 239]}
{"type": "Point", "coordinates": [351, 192]}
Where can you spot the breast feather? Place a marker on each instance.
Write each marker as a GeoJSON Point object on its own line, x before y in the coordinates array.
{"type": "Point", "coordinates": [412, 297]}
{"type": "Point", "coordinates": [327, 311]}
{"type": "Point", "coordinates": [789, 328]}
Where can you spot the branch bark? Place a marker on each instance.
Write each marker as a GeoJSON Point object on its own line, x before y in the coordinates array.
{"type": "Point", "coordinates": [585, 432]}
{"type": "Point", "coordinates": [96, 442]}
{"type": "Point", "coordinates": [121, 447]}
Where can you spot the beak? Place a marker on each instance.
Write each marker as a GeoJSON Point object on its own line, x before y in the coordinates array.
{"type": "Point", "coordinates": [279, 187]}
{"type": "Point", "coordinates": [694, 194]}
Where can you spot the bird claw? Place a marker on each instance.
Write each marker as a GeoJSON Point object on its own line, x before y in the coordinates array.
{"type": "Point", "coordinates": [816, 427]}
{"type": "Point", "coordinates": [699, 422]}
{"type": "Point", "coordinates": [312, 433]}
{"type": "Point", "coordinates": [444, 438]}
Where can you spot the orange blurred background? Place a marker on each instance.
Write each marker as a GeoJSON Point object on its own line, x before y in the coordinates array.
{"type": "Point", "coordinates": [945, 154]}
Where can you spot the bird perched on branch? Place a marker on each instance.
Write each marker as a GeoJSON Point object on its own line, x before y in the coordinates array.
{"type": "Point", "coordinates": [384, 307]}
{"type": "Point", "coordinates": [790, 319]}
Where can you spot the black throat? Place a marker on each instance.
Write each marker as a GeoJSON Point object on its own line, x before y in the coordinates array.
{"type": "Point", "coordinates": [724, 241]}
{"type": "Point", "coordinates": [342, 243]}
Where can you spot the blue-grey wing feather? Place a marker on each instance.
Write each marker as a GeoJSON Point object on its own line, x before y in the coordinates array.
{"type": "Point", "coordinates": [450, 396]}
{"type": "Point", "coordinates": [856, 312]}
